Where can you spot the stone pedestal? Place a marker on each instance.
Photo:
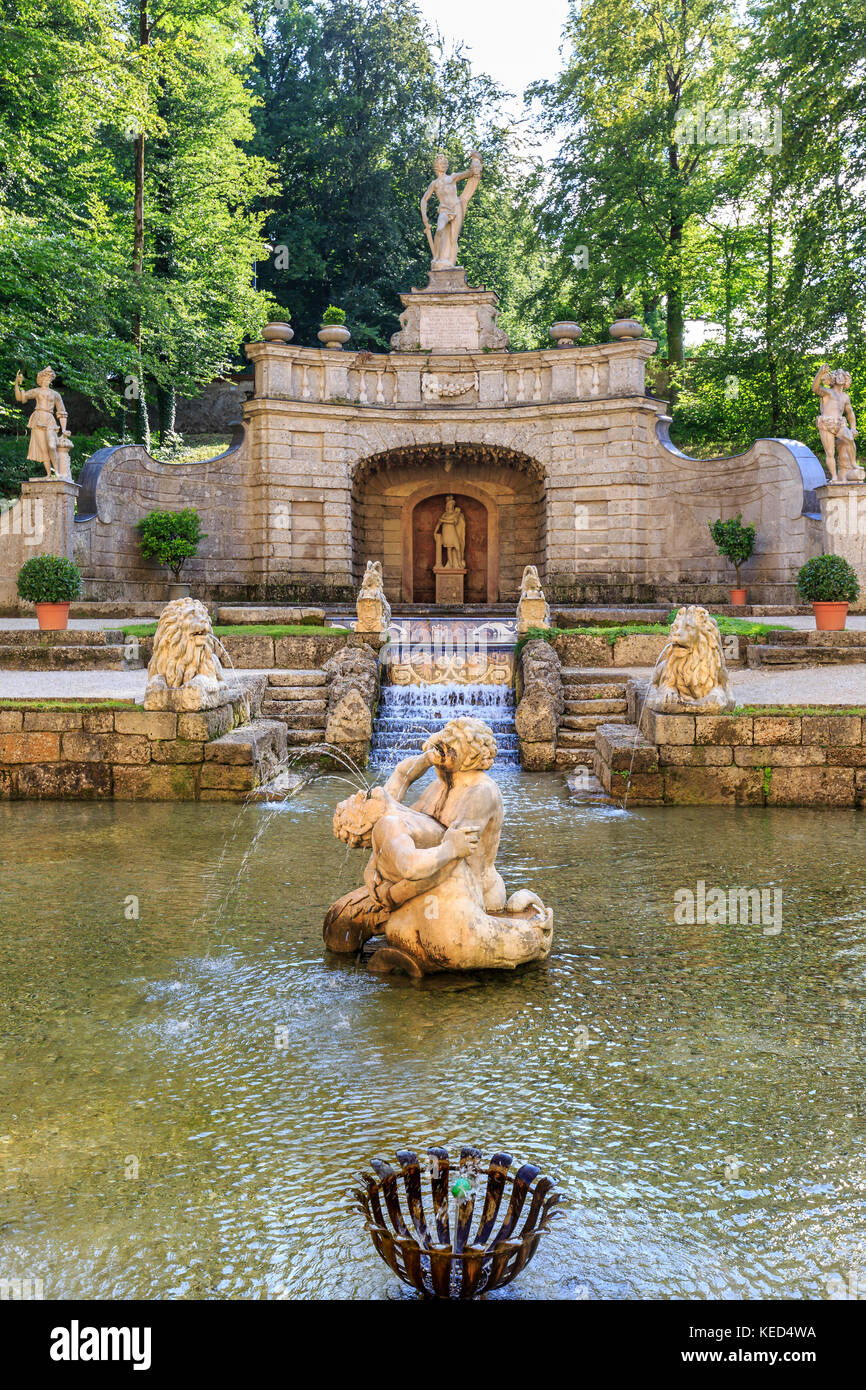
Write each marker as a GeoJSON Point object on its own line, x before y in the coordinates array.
{"type": "Point", "coordinates": [448, 316]}
{"type": "Point", "coordinates": [449, 584]}
{"type": "Point", "coordinates": [54, 500]}
{"type": "Point", "coordinates": [843, 519]}
{"type": "Point", "coordinates": [532, 612]}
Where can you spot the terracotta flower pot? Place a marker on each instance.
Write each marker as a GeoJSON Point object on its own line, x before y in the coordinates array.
{"type": "Point", "coordinates": [52, 617]}
{"type": "Point", "coordinates": [738, 598]}
{"type": "Point", "coordinates": [830, 617]}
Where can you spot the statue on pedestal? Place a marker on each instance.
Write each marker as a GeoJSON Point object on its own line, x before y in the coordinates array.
{"type": "Point", "coordinates": [44, 434]}
{"type": "Point", "coordinates": [450, 537]}
{"type": "Point", "coordinates": [452, 209]}
{"type": "Point", "coordinates": [836, 407]}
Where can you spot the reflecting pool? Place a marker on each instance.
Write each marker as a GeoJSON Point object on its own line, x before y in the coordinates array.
{"type": "Point", "coordinates": [188, 1083]}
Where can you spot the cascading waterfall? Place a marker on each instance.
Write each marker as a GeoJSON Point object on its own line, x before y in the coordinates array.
{"type": "Point", "coordinates": [409, 713]}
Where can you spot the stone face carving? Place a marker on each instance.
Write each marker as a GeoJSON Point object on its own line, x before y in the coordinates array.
{"type": "Point", "coordinates": [690, 675]}
{"type": "Point", "coordinates": [541, 705]}
{"type": "Point", "coordinates": [48, 445]}
{"type": "Point", "coordinates": [532, 606]}
{"type": "Point", "coordinates": [452, 208]}
{"type": "Point", "coordinates": [450, 537]}
{"type": "Point", "coordinates": [431, 884]}
{"type": "Point", "coordinates": [836, 408]}
{"type": "Point", "coordinates": [373, 609]}
{"type": "Point", "coordinates": [185, 672]}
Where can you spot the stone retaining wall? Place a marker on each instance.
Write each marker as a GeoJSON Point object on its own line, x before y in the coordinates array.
{"type": "Point", "coordinates": [99, 751]}
{"type": "Point", "coordinates": [762, 759]}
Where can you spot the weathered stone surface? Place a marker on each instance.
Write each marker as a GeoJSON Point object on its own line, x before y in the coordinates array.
{"type": "Point", "coordinates": [99, 721]}
{"type": "Point", "coordinates": [155, 783]}
{"type": "Point", "coordinates": [110, 748]}
{"type": "Point", "coordinates": [541, 703]}
{"type": "Point", "coordinates": [832, 729]}
{"type": "Point", "coordinates": [77, 781]}
{"type": "Point", "coordinates": [349, 720]}
{"type": "Point", "coordinates": [207, 724]}
{"type": "Point", "coordinates": [537, 757]}
{"type": "Point", "coordinates": [6, 784]}
{"type": "Point", "coordinates": [811, 786]}
{"type": "Point", "coordinates": [254, 650]}
{"type": "Point", "coordinates": [733, 729]}
{"type": "Point", "coordinates": [11, 720]}
{"type": "Point", "coordinates": [625, 749]}
{"type": "Point", "coordinates": [684, 755]}
{"type": "Point", "coordinates": [231, 615]}
{"type": "Point", "coordinates": [313, 679]}
{"type": "Point", "coordinates": [695, 786]}
{"type": "Point", "coordinates": [177, 750]}
{"type": "Point", "coordinates": [846, 757]}
{"type": "Point", "coordinates": [154, 724]}
{"type": "Point", "coordinates": [668, 728]}
{"type": "Point", "coordinates": [638, 648]}
{"type": "Point", "coordinates": [227, 778]}
{"type": "Point", "coordinates": [776, 729]}
{"type": "Point", "coordinates": [306, 652]}
{"type": "Point", "coordinates": [576, 649]}
{"type": "Point", "coordinates": [637, 788]}
{"type": "Point", "coordinates": [29, 747]}
{"type": "Point", "coordinates": [52, 721]}
{"type": "Point", "coordinates": [258, 743]}
{"type": "Point", "coordinates": [785, 755]}
{"type": "Point", "coordinates": [353, 689]}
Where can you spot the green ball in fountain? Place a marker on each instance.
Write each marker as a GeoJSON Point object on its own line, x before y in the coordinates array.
{"type": "Point", "coordinates": [437, 1253]}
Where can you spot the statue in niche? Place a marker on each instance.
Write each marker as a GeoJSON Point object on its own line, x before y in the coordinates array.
{"type": "Point", "coordinates": [450, 537]}
{"type": "Point", "coordinates": [44, 434]}
{"type": "Point", "coordinates": [452, 208]}
{"type": "Point", "coordinates": [836, 408]}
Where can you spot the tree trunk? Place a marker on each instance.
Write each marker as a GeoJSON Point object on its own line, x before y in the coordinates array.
{"type": "Point", "coordinates": [166, 398]}
{"type": "Point", "coordinates": [775, 410]}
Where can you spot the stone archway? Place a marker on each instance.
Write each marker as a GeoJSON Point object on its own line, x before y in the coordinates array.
{"type": "Point", "coordinates": [505, 487]}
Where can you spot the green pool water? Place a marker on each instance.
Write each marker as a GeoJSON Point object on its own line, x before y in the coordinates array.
{"type": "Point", "coordinates": [185, 1094]}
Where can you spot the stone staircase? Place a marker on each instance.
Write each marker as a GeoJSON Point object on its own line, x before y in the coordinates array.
{"type": "Point", "coordinates": [299, 700]}
{"type": "Point", "coordinates": [809, 648]}
{"type": "Point", "coordinates": [592, 697]}
{"type": "Point", "coordinates": [76, 649]}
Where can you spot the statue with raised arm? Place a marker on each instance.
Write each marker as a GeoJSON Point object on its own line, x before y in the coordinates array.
{"type": "Point", "coordinates": [836, 409]}
{"type": "Point", "coordinates": [452, 208]}
{"type": "Point", "coordinates": [44, 434]}
{"type": "Point", "coordinates": [431, 885]}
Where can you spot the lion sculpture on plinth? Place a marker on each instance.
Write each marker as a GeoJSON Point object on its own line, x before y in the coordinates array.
{"type": "Point", "coordinates": [690, 675]}
{"type": "Point", "coordinates": [184, 671]}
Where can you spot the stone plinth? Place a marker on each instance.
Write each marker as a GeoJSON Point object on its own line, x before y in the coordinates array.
{"type": "Point", "coordinates": [843, 519]}
{"type": "Point", "coordinates": [448, 316]}
{"type": "Point", "coordinates": [449, 584]}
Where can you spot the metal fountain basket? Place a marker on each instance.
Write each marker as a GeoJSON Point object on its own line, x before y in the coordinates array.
{"type": "Point", "coordinates": [423, 1253]}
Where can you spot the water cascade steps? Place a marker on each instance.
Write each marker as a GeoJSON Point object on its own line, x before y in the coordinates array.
{"type": "Point", "coordinates": [408, 713]}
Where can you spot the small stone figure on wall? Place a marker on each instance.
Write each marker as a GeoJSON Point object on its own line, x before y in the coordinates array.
{"type": "Point", "coordinates": [836, 408]}
{"type": "Point", "coordinates": [372, 607]}
{"type": "Point", "coordinates": [452, 209]}
{"type": "Point", "coordinates": [532, 608]}
{"type": "Point", "coordinates": [44, 434]}
{"type": "Point", "coordinates": [450, 537]}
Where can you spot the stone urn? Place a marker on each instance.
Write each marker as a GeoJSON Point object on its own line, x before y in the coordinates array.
{"type": "Point", "coordinates": [626, 328]}
{"type": "Point", "coordinates": [565, 332]}
{"type": "Point", "coordinates": [333, 335]}
{"type": "Point", "coordinates": [278, 332]}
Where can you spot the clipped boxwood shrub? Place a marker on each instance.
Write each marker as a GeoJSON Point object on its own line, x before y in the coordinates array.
{"type": "Point", "coordinates": [49, 579]}
{"type": "Point", "coordinates": [334, 315]}
{"type": "Point", "coordinates": [171, 538]}
{"type": "Point", "coordinates": [828, 579]}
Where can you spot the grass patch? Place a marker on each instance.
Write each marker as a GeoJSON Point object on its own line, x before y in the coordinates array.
{"type": "Point", "coordinates": [253, 629]}
{"type": "Point", "coordinates": [767, 711]}
{"type": "Point", "coordinates": [74, 705]}
{"type": "Point", "coordinates": [728, 627]}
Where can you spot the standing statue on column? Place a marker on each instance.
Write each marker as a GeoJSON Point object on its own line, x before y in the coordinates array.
{"type": "Point", "coordinates": [450, 536]}
{"type": "Point", "coordinates": [835, 409]}
{"type": "Point", "coordinates": [452, 208]}
{"type": "Point", "coordinates": [42, 424]}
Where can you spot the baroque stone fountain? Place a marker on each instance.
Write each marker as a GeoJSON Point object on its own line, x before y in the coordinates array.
{"type": "Point", "coordinates": [431, 889]}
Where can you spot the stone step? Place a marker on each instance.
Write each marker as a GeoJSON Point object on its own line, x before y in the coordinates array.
{"type": "Point", "coordinates": [586, 790]}
{"type": "Point", "coordinates": [292, 720]}
{"type": "Point", "coordinates": [569, 738]}
{"type": "Point", "coordinates": [599, 707]}
{"type": "Point", "coordinates": [588, 675]}
{"type": "Point", "coordinates": [243, 759]}
{"type": "Point", "coordinates": [298, 738]}
{"type": "Point", "coordinates": [788, 655]}
{"type": "Point", "coordinates": [623, 748]}
{"type": "Point", "coordinates": [108, 658]}
{"type": "Point", "coordinates": [614, 690]}
{"type": "Point", "coordinates": [591, 721]}
{"type": "Point", "coordinates": [574, 757]}
{"type": "Point", "coordinates": [297, 678]}
{"type": "Point", "coordinates": [306, 703]}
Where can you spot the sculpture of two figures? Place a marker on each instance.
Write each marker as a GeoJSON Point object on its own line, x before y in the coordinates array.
{"type": "Point", "coordinates": [49, 445]}
{"type": "Point", "coordinates": [691, 675]}
{"type": "Point", "coordinates": [431, 885]}
{"type": "Point", "coordinates": [837, 424]}
{"type": "Point", "coordinates": [452, 208]}
{"type": "Point", "coordinates": [449, 534]}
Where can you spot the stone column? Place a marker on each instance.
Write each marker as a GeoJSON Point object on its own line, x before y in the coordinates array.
{"type": "Point", "coordinates": [843, 527]}
{"type": "Point", "coordinates": [52, 506]}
